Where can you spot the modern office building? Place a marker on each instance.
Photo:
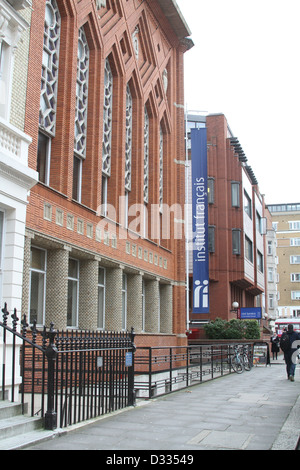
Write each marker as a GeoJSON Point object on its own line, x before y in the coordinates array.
{"type": "Point", "coordinates": [236, 224]}
{"type": "Point", "coordinates": [105, 110]}
{"type": "Point", "coordinates": [286, 223]}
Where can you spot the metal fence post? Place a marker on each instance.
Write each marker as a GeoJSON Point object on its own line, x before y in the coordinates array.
{"type": "Point", "coordinates": [5, 315]}
{"type": "Point", "coordinates": [131, 392]}
{"type": "Point", "coordinates": [51, 353]}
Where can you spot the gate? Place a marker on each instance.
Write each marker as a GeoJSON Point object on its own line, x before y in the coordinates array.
{"type": "Point", "coordinates": [68, 376]}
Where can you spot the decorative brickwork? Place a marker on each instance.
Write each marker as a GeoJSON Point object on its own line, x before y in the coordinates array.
{"type": "Point", "coordinates": [138, 63]}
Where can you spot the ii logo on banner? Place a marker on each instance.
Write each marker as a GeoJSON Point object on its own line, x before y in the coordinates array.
{"type": "Point", "coordinates": [201, 295]}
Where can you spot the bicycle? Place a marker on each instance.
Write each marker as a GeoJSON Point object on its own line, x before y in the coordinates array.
{"type": "Point", "coordinates": [236, 361]}
{"type": "Point", "coordinates": [246, 356]}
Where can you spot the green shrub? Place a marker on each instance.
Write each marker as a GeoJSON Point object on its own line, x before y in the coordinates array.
{"type": "Point", "coordinates": [232, 329]}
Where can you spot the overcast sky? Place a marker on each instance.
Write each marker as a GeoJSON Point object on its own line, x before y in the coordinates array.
{"type": "Point", "coordinates": [246, 65]}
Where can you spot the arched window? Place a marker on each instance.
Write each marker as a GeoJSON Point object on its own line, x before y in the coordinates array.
{"type": "Point", "coordinates": [49, 81]}
{"type": "Point", "coordinates": [161, 168]}
{"type": "Point", "coordinates": [48, 99]}
{"type": "Point", "coordinates": [146, 157]}
{"type": "Point", "coordinates": [128, 143]}
{"type": "Point", "coordinates": [80, 131]}
{"type": "Point", "coordinates": [107, 132]}
{"type": "Point", "coordinates": [81, 95]}
{"type": "Point", "coordinates": [107, 119]}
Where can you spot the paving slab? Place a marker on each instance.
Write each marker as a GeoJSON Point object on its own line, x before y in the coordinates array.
{"type": "Point", "coordinates": [256, 410]}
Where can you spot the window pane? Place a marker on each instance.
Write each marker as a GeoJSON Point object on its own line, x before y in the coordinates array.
{"type": "Point", "coordinates": [211, 190]}
{"type": "Point", "coordinates": [101, 276]}
{"type": "Point", "coordinates": [235, 194]}
{"type": "Point", "coordinates": [37, 297]}
{"type": "Point", "coordinates": [236, 242]}
{"type": "Point", "coordinates": [100, 307]}
{"type": "Point", "coordinates": [42, 157]}
{"type": "Point", "coordinates": [37, 259]}
{"type": "Point", "coordinates": [260, 262]}
{"type": "Point", "coordinates": [248, 249]}
{"type": "Point", "coordinates": [73, 268]}
{"type": "Point", "coordinates": [211, 239]}
{"type": "Point", "coordinates": [72, 303]}
{"type": "Point", "coordinates": [77, 179]}
{"type": "Point", "coordinates": [247, 205]}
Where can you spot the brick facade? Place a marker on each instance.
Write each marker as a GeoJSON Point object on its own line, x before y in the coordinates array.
{"type": "Point", "coordinates": [71, 229]}
{"type": "Point", "coordinates": [234, 276]}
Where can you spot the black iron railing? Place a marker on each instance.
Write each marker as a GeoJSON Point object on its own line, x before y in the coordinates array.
{"type": "Point", "coordinates": [161, 370]}
{"type": "Point", "coordinates": [69, 376]}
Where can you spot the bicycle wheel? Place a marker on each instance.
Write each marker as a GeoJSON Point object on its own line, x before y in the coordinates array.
{"type": "Point", "coordinates": [247, 362]}
{"type": "Point", "coordinates": [237, 365]}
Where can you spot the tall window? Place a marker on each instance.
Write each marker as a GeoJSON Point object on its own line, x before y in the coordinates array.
{"type": "Point", "coordinates": [258, 223]}
{"type": "Point", "coordinates": [270, 274]}
{"type": "Point", "coordinates": [80, 112]}
{"type": "Point", "coordinates": [247, 205]}
{"type": "Point", "coordinates": [49, 80]}
{"type": "Point", "coordinates": [146, 156]}
{"type": "Point", "coordinates": [128, 150]}
{"type": "Point", "coordinates": [235, 194]}
{"type": "Point", "coordinates": [73, 291]}
{"type": "Point", "coordinates": [270, 247]}
{"type": "Point", "coordinates": [101, 298]}
{"type": "Point", "coordinates": [37, 285]}
{"type": "Point", "coordinates": [236, 241]}
{"type": "Point", "coordinates": [211, 238]}
{"type": "Point", "coordinates": [260, 261]}
{"type": "Point", "coordinates": [128, 142]}
{"type": "Point", "coordinates": [161, 168]}
{"type": "Point", "coordinates": [210, 190]}
{"type": "Point", "coordinates": [107, 132]}
{"type": "Point", "coordinates": [248, 249]}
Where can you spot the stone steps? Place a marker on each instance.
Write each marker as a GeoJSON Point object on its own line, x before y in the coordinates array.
{"type": "Point", "coordinates": [18, 430]}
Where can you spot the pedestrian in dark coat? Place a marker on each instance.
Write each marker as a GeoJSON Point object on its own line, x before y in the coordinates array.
{"type": "Point", "coordinates": [275, 346]}
{"type": "Point", "coordinates": [290, 356]}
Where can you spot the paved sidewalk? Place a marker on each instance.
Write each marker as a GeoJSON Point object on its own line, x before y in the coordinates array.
{"type": "Point", "coordinates": [256, 410]}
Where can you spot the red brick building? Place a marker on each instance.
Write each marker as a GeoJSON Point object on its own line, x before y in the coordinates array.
{"type": "Point", "coordinates": [106, 116]}
{"type": "Point", "coordinates": [236, 218]}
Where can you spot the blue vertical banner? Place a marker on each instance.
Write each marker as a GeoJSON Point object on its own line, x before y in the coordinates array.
{"type": "Point", "coordinates": [200, 221]}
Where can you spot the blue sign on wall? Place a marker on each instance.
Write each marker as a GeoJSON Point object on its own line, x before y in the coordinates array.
{"type": "Point", "coordinates": [251, 313]}
{"type": "Point", "coordinates": [128, 359]}
{"type": "Point", "coordinates": [200, 221]}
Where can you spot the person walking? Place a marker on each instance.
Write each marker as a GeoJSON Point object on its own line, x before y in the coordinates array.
{"type": "Point", "coordinates": [289, 343]}
{"type": "Point", "coordinates": [274, 346]}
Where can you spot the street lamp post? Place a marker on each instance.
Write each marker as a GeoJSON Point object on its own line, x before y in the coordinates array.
{"type": "Point", "coordinates": [235, 308]}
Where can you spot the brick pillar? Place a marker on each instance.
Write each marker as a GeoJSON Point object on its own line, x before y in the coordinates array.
{"type": "Point", "coordinates": [134, 302]}
{"type": "Point", "coordinates": [152, 306]}
{"type": "Point", "coordinates": [88, 294]}
{"type": "Point", "coordinates": [57, 287]}
{"type": "Point", "coordinates": [113, 299]}
{"type": "Point", "coordinates": [26, 274]}
{"type": "Point", "coordinates": [166, 308]}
